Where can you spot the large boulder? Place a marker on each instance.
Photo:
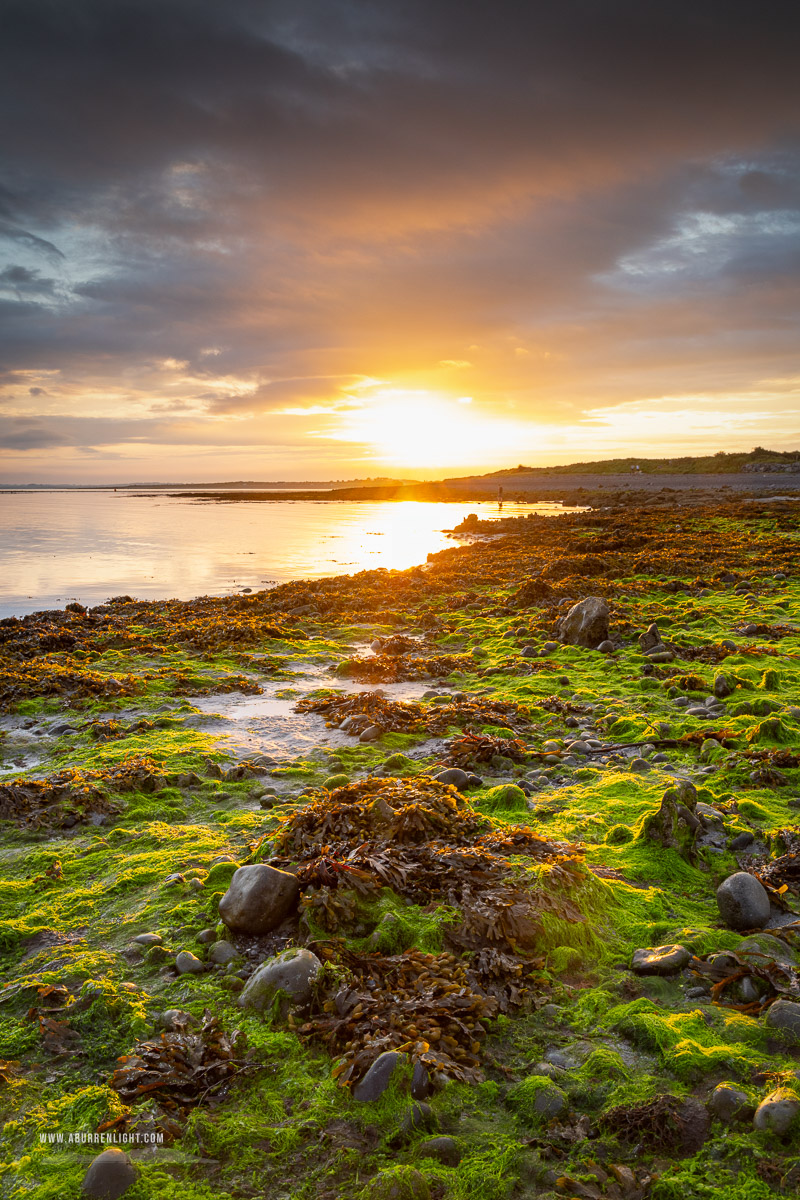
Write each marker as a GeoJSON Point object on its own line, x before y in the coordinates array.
{"type": "Point", "coordinates": [258, 899]}
{"type": "Point", "coordinates": [292, 972]}
{"type": "Point", "coordinates": [743, 902]}
{"type": "Point", "coordinates": [586, 623]}
{"type": "Point", "coordinates": [109, 1175]}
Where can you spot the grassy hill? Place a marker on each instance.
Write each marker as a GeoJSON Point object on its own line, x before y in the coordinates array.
{"type": "Point", "coordinates": [721, 463]}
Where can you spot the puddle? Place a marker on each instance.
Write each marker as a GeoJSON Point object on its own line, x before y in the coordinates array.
{"type": "Point", "coordinates": [267, 724]}
{"type": "Point", "coordinates": [21, 749]}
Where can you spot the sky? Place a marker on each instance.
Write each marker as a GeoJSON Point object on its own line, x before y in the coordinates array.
{"type": "Point", "coordinates": [329, 239]}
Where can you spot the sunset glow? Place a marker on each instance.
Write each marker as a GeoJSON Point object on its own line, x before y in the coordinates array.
{"type": "Point", "coordinates": [312, 230]}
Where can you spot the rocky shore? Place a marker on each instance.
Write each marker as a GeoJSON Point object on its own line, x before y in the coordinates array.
{"type": "Point", "coordinates": [476, 881]}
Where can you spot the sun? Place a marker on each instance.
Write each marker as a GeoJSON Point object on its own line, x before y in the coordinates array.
{"type": "Point", "coordinates": [417, 428]}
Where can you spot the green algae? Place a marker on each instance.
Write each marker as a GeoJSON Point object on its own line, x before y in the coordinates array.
{"type": "Point", "coordinates": [113, 880]}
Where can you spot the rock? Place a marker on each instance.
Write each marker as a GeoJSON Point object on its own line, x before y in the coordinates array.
{"type": "Point", "coordinates": [397, 1183]}
{"type": "Point", "coordinates": [292, 972]}
{"type": "Point", "coordinates": [728, 1104]}
{"type": "Point", "coordinates": [606, 647]}
{"type": "Point", "coordinates": [371, 734]}
{"type": "Point", "coordinates": [784, 1016]}
{"type": "Point", "coordinates": [377, 1079]}
{"type": "Point", "coordinates": [444, 1149]}
{"type": "Point", "coordinates": [743, 902]}
{"type": "Point", "coordinates": [722, 687]}
{"type": "Point", "coordinates": [777, 1112]}
{"type": "Point", "coordinates": [741, 841]}
{"type": "Point", "coordinates": [766, 943]}
{"type": "Point", "coordinates": [175, 1020]}
{"type": "Point", "coordinates": [258, 899]}
{"type": "Point", "coordinates": [660, 960]}
{"type": "Point", "coordinates": [640, 765]}
{"type": "Point", "coordinates": [188, 964]}
{"type": "Point", "coordinates": [550, 647]}
{"type": "Point", "coordinates": [550, 1102]}
{"type": "Point", "coordinates": [416, 1117]}
{"type": "Point", "coordinates": [586, 623]}
{"type": "Point", "coordinates": [222, 953]}
{"type": "Point", "coordinates": [109, 1175]}
{"type": "Point", "coordinates": [206, 935]}
{"type": "Point", "coordinates": [454, 775]}
{"type": "Point", "coordinates": [420, 1082]}
{"type": "Point", "coordinates": [148, 939]}
{"type": "Point", "coordinates": [650, 639]}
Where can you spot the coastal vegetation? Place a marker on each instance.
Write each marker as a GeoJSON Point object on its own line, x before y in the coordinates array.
{"type": "Point", "coordinates": [511, 960]}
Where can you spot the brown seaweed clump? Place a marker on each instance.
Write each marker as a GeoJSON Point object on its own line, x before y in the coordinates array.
{"type": "Point", "coordinates": [422, 842]}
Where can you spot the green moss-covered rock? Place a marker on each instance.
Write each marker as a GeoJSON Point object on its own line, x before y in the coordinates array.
{"type": "Point", "coordinates": [507, 797]}
{"type": "Point", "coordinates": [336, 781]}
{"type": "Point", "coordinates": [537, 1100]}
{"type": "Point", "coordinates": [220, 875]}
{"type": "Point", "coordinates": [397, 1183]}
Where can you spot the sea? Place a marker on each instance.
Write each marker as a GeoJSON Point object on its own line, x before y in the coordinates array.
{"type": "Point", "coordinates": [58, 546]}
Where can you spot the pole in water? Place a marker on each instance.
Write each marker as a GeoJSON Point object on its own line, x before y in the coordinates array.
{"type": "Point", "coordinates": [500, 497]}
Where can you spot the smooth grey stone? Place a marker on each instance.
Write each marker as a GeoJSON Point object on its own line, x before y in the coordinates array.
{"type": "Point", "coordinates": [420, 1082]}
{"type": "Point", "coordinates": [377, 1079]}
{"type": "Point", "coordinates": [258, 899]}
{"type": "Point", "coordinates": [728, 1104]}
{"type": "Point", "coordinates": [188, 964]}
{"type": "Point", "coordinates": [784, 1016]}
{"type": "Point", "coordinates": [207, 935]}
{"type": "Point", "coordinates": [660, 960]}
{"type": "Point", "coordinates": [292, 972]}
{"type": "Point", "coordinates": [741, 841]}
{"type": "Point", "coordinates": [109, 1175]}
{"type": "Point", "coordinates": [222, 953]}
{"type": "Point", "coordinates": [640, 765]}
{"type": "Point", "coordinates": [371, 734]}
{"type": "Point", "coordinates": [550, 647]}
{"type": "Point", "coordinates": [743, 902]}
{"type": "Point", "coordinates": [453, 775]}
{"type": "Point", "coordinates": [722, 687]}
{"type": "Point", "coordinates": [777, 1112]}
{"type": "Point", "coordinates": [148, 939]}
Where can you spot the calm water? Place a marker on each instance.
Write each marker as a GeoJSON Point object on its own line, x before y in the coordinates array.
{"type": "Point", "coordinates": [61, 546]}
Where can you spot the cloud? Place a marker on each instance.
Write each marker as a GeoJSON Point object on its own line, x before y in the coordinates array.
{"type": "Point", "coordinates": [227, 212]}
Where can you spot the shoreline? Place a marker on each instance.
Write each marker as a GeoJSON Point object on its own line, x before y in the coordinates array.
{"type": "Point", "coordinates": [569, 769]}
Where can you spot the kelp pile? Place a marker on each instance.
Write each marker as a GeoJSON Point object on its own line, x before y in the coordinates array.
{"type": "Point", "coordinates": [421, 1004]}
{"type": "Point", "coordinates": [354, 713]}
{"type": "Point", "coordinates": [75, 795]}
{"type": "Point", "coordinates": [391, 668]}
{"type": "Point", "coordinates": [422, 840]}
{"type": "Point", "coordinates": [23, 681]}
{"type": "Point", "coordinates": [177, 1071]}
{"type": "Point", "coordinates": [476, 749]}
{"type": "Point", "coordinates": [59, 801]}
